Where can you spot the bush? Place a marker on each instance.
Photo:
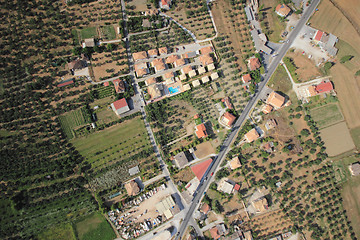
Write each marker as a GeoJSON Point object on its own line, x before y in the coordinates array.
{"type": "Point", "coordinates": [346, 58]}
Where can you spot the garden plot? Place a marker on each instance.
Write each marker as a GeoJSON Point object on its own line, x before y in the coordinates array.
{"type": "Point", "coordinates": [337, 139]}
{"type": "Point", "coordinates": [73, 119]}
{"type": "Point", "coordinates": [107, 32]}
{"type": "Point", "coordinates": [93, 226]}
{"type": "Point", "coordinates": [326, 115]}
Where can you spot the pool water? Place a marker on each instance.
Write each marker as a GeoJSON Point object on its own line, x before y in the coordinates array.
{"type": "Point", "coordinates": [174, 90]}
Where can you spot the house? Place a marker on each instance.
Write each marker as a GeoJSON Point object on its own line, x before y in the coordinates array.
{"type": "Point", "coordinates": [268, 147]}
{"type": "Point", "coordinates": [201, 70]}
{"type": "Point", "coordinates": [246, 78]}
{"type": "Point", "coordinates": [200, 168]}
{"type": "Point", "coordinates": [79, 67]}
{"type": "Point", "coordinates": [106, 84]}
{"type": "Point", "coordinates": [155, 90]}
{"type": "Point", "coordinates": [132, 188]}
{"type": "Point", "coordinates": [206, 59]}
{"type": "Point", "coordinates": [141, 69]}
{"type": "Point", "coordinates": [282, 10]}
{"type": "Point", "coordinates": [318, 36]}
{"type": "Point", "coordinates": [165, 4]}
{"type": "Point", "coordinates": [186, 87]}
{"type": "Point", "coordinates": [267, 109]}
{"type": "Point", "coordinates": [153, 53]}
{"type": "Point", "coordinates": [261, 205]}
{"type": "Point", "coordinates": [206, 50]}
{"type": "Point", "coordinates": [254, 63]}
{"type": "Point", "coordinates": [205, 208]}
{"type": "Point", "coordinates": [182, 77]}
{"type": "Point", "coordinates": [275, 100]}
{"type": "Point", "coordinates": [180, 62]}
{"type": "Point", "coordinates": [228, 119]}
{"type": "Point", "coordinates": [167, 207]}
{"type": "Point", "coordinates": [158, 64]}
{"type": "Point", "coordinates": [323, 87]}
{"type": "Point", "coordinates": [169, 77]}
{"type": "Point", "coordinates": [120, 106]}
{"type": "Point", "coordinates": [252, 135]}
{"type": "Point", "coordinates": [66, 83]}
{"type": "Point", "coordinates": [171, 59]}
{"type": "Point", "coordinates": [218, 231]}
{"type": "Point", "coordinates": [139, 56]}
{"type": "Point", "coordinates": [214, 76]}
{"type": "Point", "coordinates": [225, 186]}
{"type": "Point", "coordinates": [211, 66]}
{"type": "Point", "coordinates": [201, 131]}
{"type": "Point", "coordinates": [355, 169]}
{"type": "Point", "coordinates": [189, 55]}
{"type": "Point", "coordinates": [192, 73]}
{"type": "Point", "coordinates": [196, 83]}
{"type": "Point", "coordinates": [89, 42]}
{"type": "Point", "coordinates": [119, 85]}
{"type": "Point", "coordinates": [205, 79]}
{"type": "Point", "coordinates": [227, 102]}
{"type": "Point", "coordinates": [236, 187]}
{"type": "Point", "coordinates": [270, 124]}
{"type": "Point", "coordinates": [214, 233]}
{"type": "Point", "coordinates": [134, 170]}
{"type": "Point", "coordinates": [326, 42]}
{"type": "Point", "coordinates": [150, 81]}
{"type": "Point", "coordinates": [235, 163]}
{"type": "Point", "coordinates": [183, 158]}
{"type": "Point", "coordinates": [163, 51]}
{"type": "Point", "coordinates": [186, 69]}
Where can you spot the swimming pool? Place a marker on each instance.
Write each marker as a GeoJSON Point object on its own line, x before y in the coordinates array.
{"type": "Point", "coordinates": [174, 90]}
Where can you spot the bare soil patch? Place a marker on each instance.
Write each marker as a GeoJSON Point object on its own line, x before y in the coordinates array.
{"type": "Point", "coordinates": [306, 68]}
{"type": "Point", "coordinates": [204, 149]}
{"type": "Point", "coordinates": [337, 139]}
{"type": "Point", "coordinates": [272, 222]}
{"type": "Point", "coordinates": [185, 175]}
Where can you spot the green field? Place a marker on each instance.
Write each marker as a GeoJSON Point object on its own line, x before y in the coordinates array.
{"type": "Point", "coordinates": [94, 227]}
{"type": "Point", "coordinates": [75, 35]}
{"type": "Point", "coordinates": [73, 119]}
{"type": "Point", "coordinates": [108, 32]}
{"type": "Point", "coordinates": [280, 80]}
{"type": "Point", "coordinates": [89, 32]}
{"type": "Point", "coordinates": [64, 232]}
{"type": "Point", "coordinates": [112, 151]}
{"type": "Point", "coordinates": [355, 134]}
{"type": "Point", "coordinates": [326, 115]}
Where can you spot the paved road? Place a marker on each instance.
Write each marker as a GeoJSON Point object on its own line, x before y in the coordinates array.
{"type": "Point", "coordinates": [244, 115]}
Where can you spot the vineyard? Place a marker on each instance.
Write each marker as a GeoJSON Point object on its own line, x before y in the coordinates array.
{"type": "Point", "coordinates": [74, 119]}
{"type": "Point", "coordinates": [111, 152]}
{"type": "Point", "coordinates": [101, 92]}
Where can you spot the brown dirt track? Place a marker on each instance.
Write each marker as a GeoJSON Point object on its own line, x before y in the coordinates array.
{"type": "Point", "coordinates": [346, 85]}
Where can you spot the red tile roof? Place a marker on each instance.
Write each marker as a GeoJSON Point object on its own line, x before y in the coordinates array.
{"type": "Point", "coordinates": [119, 85]}
{"type": "Point", "coordinates": [214, 233]}
{"type": "Point", "coordinates": [120, 103]}
{"type": "Point", "coordinates": [246, 78]}
{"type": "Point", "coordinates": [318, 35]}
{"type": "Point", "coordinates": [237, 187]}
{"type": "Point", "coordinates": [230, 118]}
{"type": "Point", "coordinates": [201, 131]}
{"type": "Point", "coordinates": [254, 63]}
{"type": "Point", "coordinates": [106, 84]}
{"type": "Point", "coordinates": [205, 208]}
{"type": "Point", "coordinates": [65, 83]}
{"type": "Point", "coordinates": [200, 168]}
{"type": "Point", "coordinates": [324, 87]}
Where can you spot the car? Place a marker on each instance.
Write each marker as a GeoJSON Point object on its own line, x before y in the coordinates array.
{"type": "Point", "coordinates": [212, 173]}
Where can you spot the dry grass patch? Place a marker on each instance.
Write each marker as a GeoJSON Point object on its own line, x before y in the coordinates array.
{"type": "Point", "coordinates": [337, 139]}
{"type": "Point", "coordinates": [306, 68]}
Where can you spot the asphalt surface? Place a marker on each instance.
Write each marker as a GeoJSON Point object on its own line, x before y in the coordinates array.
{"type": "Point", "coordinates": [204, 184]}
